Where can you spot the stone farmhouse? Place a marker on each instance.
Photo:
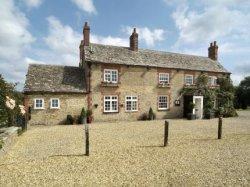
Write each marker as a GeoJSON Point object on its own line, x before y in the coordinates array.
{"type": "Point", "coordinates": [117, 83]}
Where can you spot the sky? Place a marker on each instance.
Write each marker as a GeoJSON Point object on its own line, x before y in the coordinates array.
{"type": "Point", "coordinates": [50, 31]}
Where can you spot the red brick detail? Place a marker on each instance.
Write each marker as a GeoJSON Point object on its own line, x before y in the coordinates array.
{"type": "Point", "coordinates": [26, 106]}
{"type": "Point", "coordinates": [133, 45]}
{"type": "Point", "coordinates": [86, 33]}
{"type": "Point", "coordinates": [213, 51]}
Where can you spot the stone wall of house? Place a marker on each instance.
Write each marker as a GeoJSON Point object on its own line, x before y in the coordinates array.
{"type": "Point", "coordinates": [69, 104]}
{"type": "Point", "coordinates": [141, 82]}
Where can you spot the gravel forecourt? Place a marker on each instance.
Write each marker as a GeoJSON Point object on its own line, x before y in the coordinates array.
{"type": "Point", "coordinates": [131, 154]}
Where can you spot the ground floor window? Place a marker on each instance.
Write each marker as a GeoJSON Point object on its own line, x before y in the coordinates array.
{"type": "Point", "coordinates": [39, 103]}
{"type": "Point", "coordinates": [131, 103]}
{"type": "Point", "coordinates": [163, 102]}
{"type": "Point", "coordinates": [111, 103]}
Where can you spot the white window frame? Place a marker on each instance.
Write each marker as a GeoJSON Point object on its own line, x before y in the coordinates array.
{"type": "Point", "coordinates": [189, 76]}
{"type": "Point", "coordinates": [159, 102]}
{"type": "Point", "coordinates": [110, 103]}
{"type": "Point", "coordinates": [161, 76]}
{"type": "Point", "coordinates": [213, 81]}
{"type": "Point", "coordinates": [132, 99]}
{"type": "Point", "coordinates": [51, 102]}
{"type": "Point", "coordinates": [35, 100]}
{"type": "Point", "coordinates": [110, 72]}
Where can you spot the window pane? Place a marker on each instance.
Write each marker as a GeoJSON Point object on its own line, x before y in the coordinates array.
{"type": "Point", "coordinates": [114, 76]}
{"type": "Point", "coordinates": [114, 97]}
{"type": "Point", "coordinates": [114, 105]}
{"type": "Point", "coordinates": [164, 77]}
{"type": "Point", "coordinates": [162, 102]}
{"type": "Point", "coordinates": [128, 105]}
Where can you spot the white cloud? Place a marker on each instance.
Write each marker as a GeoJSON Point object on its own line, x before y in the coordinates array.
{"type": "Point", "coordinates": [109, 40]}
{"type": "Point", "coordinates": [14, 35]}
{"type": "Point", "coordinates": [63, 43]}
{"type": "Point", "coordinates": [15, 40]}
{"type": "Point", "coordinates": [213, 22]}
{"type": "Point", "coordinates": [85, 5]}
{"type": "Point", "coordinates": [149, 36]}
{"type": "Point", "coordinates": [32, 3]}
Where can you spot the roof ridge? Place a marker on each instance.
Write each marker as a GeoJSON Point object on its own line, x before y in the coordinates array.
{"type": "Point", "coordinates": [51, 65]}
{"type": "Point", "coordinates": [151, 50]}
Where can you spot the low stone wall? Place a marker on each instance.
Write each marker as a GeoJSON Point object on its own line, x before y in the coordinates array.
{"type": "Point", "coordinates": [9, 137]}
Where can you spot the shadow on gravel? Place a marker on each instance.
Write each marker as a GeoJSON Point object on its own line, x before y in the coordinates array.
{"type": "Point", "coordinates": [68, 155]}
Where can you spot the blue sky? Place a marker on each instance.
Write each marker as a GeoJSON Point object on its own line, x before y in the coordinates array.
{"type": "Point", "coordinates": [49, 32]}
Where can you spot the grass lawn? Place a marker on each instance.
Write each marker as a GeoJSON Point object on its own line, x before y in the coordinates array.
{"type": "Point", "coordinates": [131, 153]}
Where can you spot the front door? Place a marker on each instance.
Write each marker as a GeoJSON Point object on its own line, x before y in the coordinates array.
{"type": "Point", "coordinates": [198, 109]}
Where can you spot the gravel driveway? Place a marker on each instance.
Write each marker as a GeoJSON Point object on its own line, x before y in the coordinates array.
{"type": "Point", "coordinates": [131, 153]}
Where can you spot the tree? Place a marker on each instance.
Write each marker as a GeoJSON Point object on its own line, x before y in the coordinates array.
{"type": "Point", "coordinates": [8, 90]}
{"type": "Point", "coordinates": [225, 96]}
{"type": "Point", "coordinates": [242, 94]}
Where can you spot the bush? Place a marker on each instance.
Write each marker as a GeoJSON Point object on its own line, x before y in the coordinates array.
{"type": "Point", "coordinates": [143, 117]}
{"type": "Point", "coordinates": [69, 120]}
{"type": "Point", "coordinates": [150, 114]}
{"type": "Point", "coordinates": [1, 144]}
{"type": "Point", "coordinates": [83, 113]}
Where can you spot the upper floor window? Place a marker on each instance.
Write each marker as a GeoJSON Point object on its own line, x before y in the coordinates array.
{"type": "Point", "coordinates": [189, 79]}
{"type": "Point", "coordinates": [111, 103]}
{"type": "Point", "coordinates": [163, 102]}
{"type": "Point", "coordinates": [54, 103]}
{"type": "Point", "coordinates": [164, 78]}
{"type": "Point", "coordinates": [131, 103]}
{"type": "Point", "coordinates": [212, 81]}
{"type": "Point", "coordinates": [38, 103]}
{"type": "Point", "coordinates": [110, 75]}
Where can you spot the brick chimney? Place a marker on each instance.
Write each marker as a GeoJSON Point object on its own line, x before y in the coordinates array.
{"type": "Point", "coordinates": [213, 51]}
{"type": "Point", "coordinates": [134, 41]}
{"type": "Point", "coordinates": [86, 33]}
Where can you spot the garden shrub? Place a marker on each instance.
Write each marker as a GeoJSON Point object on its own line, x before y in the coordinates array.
{"type": "Point", "coordinates": [69, 120]}
{"type": "Point", "coordinates": [143, 117]}
{"type": "Point", "coordinates": [150, 114]}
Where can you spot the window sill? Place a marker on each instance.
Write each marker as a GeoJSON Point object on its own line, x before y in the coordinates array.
{"type": "Point", "coordinates": [162, 110]}
{"type": "Point", "coordinates": [189, 85]}
{"type": "Point", "coordinates": [111, 112]}
{"type": "Point", "coordinates": [109, 84]}
{"type": "Point", "coordinates": [39, 108]}
{"type": "Point", "coordinates": [161, 85]}
{"type": "Point", "coordinates": [128, 111]}
{"type": "Point", "coordinates": [214, 86]}
{"type": "Point", "coordinates": [54, 108]}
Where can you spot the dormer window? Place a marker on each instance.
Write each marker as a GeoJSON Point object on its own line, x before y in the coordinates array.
{"type": "Point", "coordinates": [189, 79]}
{"type": "Point", "coordinates": [110, 75]}
{"type": "Point", "coordinates": [164, 78]}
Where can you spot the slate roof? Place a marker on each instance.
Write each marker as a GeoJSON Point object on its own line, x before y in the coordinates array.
{"type": "Point", "coordinates": [122, 55]}
{"type": "Point", "coordinates": [53, 78]}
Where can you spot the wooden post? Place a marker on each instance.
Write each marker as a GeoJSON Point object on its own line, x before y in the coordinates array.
{"type": "Point", "coordinates": [87, 139]}
{"type": "Point", "coordinates": [220, 127]}
{"type": "Point", "coordinates": [166, 126]}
